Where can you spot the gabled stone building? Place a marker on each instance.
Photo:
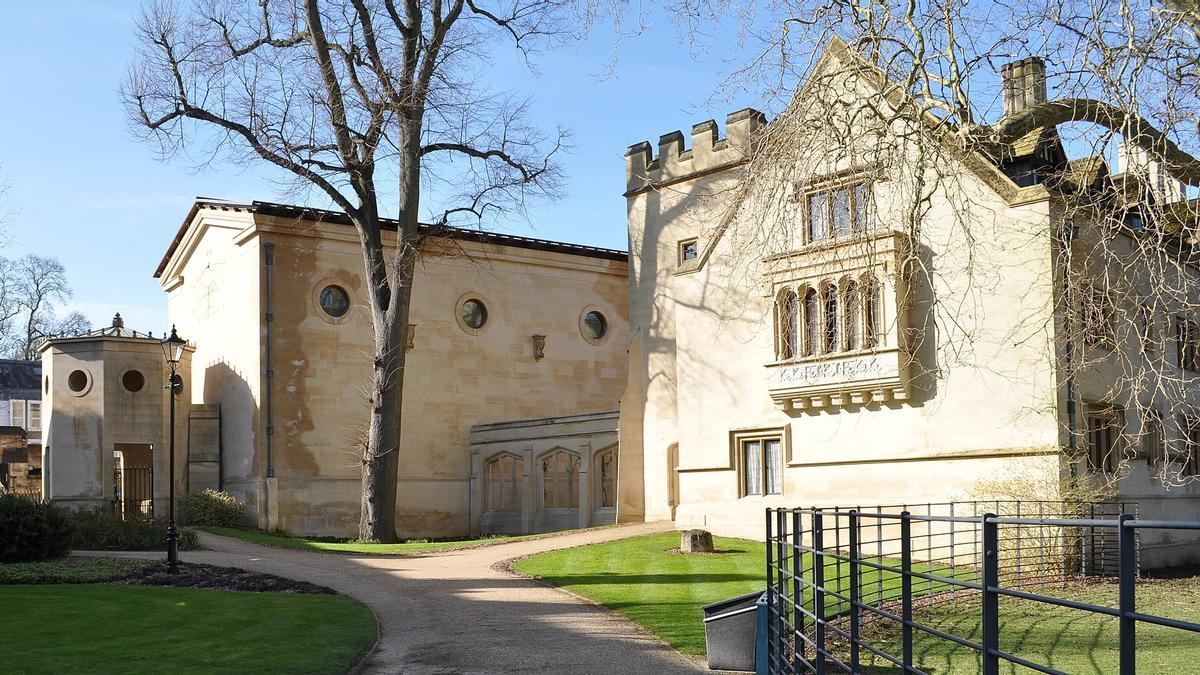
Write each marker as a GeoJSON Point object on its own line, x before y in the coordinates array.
{"type": "Point", "coordinates": [801, 342]}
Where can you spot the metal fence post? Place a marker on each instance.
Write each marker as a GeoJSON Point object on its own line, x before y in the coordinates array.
{"type": "Point", "coordinates": [855, 599]}
{"type": "Point", "coordinates": [797, 593]}
{"type": "Point", "coordinates": [1127, 573]}
{"type": "Point", "coordinates": [818, 563]}
{"type": "Point", "coordinates": [906, 588]}
{"type": "Point", "coordinates": [991, 600]}
{"type": "Point", "coordinates": [771, 643]}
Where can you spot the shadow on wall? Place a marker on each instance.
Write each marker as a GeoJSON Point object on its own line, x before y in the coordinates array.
{"type": "Point", "coordinates": [242, 471]}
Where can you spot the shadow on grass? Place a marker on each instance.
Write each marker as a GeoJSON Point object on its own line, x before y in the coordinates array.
{"type": "Point", "coordinates": [618, 578]}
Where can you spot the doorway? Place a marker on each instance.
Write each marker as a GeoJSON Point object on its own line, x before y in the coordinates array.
{"type": "Point", "coordinates": [133, 478]}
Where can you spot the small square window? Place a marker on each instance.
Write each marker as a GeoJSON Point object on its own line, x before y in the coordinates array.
{"type": "Point", "coordinates": [761, 463]}
{"type": "Point", "coordinates": [689, 249]}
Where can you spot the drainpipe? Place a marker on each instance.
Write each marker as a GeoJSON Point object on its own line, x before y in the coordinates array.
{"type": "Point", "coordinates": [270, 254]}
{"type": "Point", "coordinates": [1069, 351]}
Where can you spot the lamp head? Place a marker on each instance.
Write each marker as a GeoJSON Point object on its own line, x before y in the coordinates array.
{"type": "Point", "coordinates": [172, 346]}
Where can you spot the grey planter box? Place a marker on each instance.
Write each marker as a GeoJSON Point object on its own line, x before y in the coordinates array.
{"type": "Point", "coordinates": [730, 632]}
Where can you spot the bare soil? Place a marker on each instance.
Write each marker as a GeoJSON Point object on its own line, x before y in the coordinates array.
{"type": "Point", "coordinates": [192, 575]}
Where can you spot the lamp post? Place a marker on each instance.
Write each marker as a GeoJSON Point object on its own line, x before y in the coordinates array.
{"type": "Point", "coordinates": [172, 347]}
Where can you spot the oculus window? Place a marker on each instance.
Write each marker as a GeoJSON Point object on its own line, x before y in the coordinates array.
{"type": "Point", "coordinates": [335, 301]}
{"type": "Point", "coordinates": [473, 314]}
{"type": "Point", "coordinates": [133, 381]}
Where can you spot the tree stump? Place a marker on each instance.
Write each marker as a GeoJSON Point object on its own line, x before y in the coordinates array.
{"type": "Point", "coordinates": [696, 541]}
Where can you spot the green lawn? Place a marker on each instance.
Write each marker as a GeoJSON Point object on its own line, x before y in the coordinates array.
{"type": "Point", "coordinates": [403, 548]}
{"type": "Point", "coordinates": [1064, 639]}
{"type": "Point", "coordinates": [138, 629]}
{"type": "Point", "coordinates": [663, 591]}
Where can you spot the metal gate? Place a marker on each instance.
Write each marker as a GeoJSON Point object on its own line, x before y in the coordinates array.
{"type": "Point", "coordinates": [133, 490]}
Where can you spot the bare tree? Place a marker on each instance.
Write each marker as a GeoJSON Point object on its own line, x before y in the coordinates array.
{"type": "Point", "coordinates": [31, 290]}
{"type": "Point", "coordinates": [335, 92]}
{"type": "Point", "coordinates": [916, 98]}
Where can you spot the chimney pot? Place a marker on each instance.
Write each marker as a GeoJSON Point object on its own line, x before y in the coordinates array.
{"type": "Point", "coordinates": [1023, 83]}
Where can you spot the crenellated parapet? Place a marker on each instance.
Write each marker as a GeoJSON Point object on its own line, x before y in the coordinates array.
{"type": "Point", "coordinates": [708, 152]}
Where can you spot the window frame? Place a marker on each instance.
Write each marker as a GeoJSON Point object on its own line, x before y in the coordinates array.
{"type": "Point", "coordinates": [572, 486]}
{"type": "Point", "coordinates": [1100, 311]}
{"type": "Point", "coordinates": [1115, 415]}
{"type": "Point", "coordinates": [516, 479]}
{"type": "Point", "coordinates": [739, 440]}
{"type": "Point", "coordinates": [1187, 351]}
{"type": "Point", "coordinates": [683, 247]}
{"type": "Point", "coordinates": [33, 409]}
{"type": "Point", "coordinates": [855, 187]}
{"type": "Point", "coordinates": [1189, 458]}
{"type": "Point", "coordinates": [598, 460]}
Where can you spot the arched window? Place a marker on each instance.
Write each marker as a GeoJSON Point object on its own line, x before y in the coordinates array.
{"type": "Point", "coordinates": [853, 310]}
{"type": "Point", "coordinates": [560, 480]}
{"type": "Point", "coordinates": [505, 483]}
{"type": "Point", "coordinates": [874, 334]}
{"type": "Point", "coordinates": [831, 318]}
{"type": "Point", "coordinates": [788, 321]}
{"type": "Point", "coordinates": [606, 480]}
{"type": "Point", "coordinates": [812, 322]}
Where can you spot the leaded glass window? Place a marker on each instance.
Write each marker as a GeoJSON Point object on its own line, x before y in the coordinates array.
{"type": "Point", "coordinates": [560, 480]}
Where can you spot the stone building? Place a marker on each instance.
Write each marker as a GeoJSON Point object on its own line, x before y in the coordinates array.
{"type": "Point", "coordinates": [784, 352]}
{"type": "Point", "coordinates": [107, 431]}
{"type": "Point", "coordinates": [21, 426]}
{"type": "Point", "coordinates": [503, 328]}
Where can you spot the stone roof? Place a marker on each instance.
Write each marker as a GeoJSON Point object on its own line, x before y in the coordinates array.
{"type": "Point", "coordinates": [327, 216]}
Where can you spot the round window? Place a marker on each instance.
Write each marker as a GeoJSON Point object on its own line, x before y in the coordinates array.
{"type": "Point", "coordinates": [595, 326]}
{"type": "Point", "coordinates": [46, 386]}
{"type": "Point", "coordinates": [473, 314]}
{"type": "Point", "coordinates": [133, 381]}
{"type": "Point", "coordinates": [335, 301]}
{"type": "Point", "coordinates": [77, 381]}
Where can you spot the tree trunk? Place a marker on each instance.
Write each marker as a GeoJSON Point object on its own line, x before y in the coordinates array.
{"type": "Point", "coordinates": [392, 299]}
{"type": "Point", "coordinates": [377, 521]}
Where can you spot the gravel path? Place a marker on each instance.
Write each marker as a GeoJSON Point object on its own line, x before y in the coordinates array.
{"type": "Point", "coordinates": [459, 612]}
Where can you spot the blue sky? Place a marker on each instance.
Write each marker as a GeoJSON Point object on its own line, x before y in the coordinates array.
{"type": "Point", "coordinates": [82, 188]}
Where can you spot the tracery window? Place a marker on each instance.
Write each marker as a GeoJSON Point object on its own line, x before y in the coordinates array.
{"type": "Point", "coordinates": [831, 319]}
{"type": "Point", "coordinates": [873, 335]}
{"type": "Point", "coordinates": [606, 469]}
{"type": "Point", "coordinates": [812, 322]}
{"type": "Point", "coordinates": [788, 320]}
{"type": "Point", "coordinates": [853, 309]}
{"type": "Point", "coordinates": [505, 483]}
{"type": "Point", "coordinates": [560, 480]}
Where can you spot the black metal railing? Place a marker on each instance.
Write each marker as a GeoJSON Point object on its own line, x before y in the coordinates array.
{"type": "Point", "coordinates": [133, 490]}
{"type": "Point", "coordinates": [849, 586]}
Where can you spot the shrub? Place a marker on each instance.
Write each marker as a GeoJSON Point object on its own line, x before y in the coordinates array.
{"type": "Point", "coordinates": [99, 529]}
{"type": "Point", "coordinates": [31, 531]}
{"type": "Point", "coordinates": [213, 508]}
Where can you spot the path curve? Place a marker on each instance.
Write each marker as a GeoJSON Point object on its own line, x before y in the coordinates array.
{"type": "Point", "coordinates": [459, 612]}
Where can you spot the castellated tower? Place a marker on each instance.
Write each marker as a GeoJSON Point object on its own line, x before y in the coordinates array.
{"type": "Point", "coordinates": [707, 154]}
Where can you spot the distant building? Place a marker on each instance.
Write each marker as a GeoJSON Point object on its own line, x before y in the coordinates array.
{"type": "Point", "coordinates": [21, 425]}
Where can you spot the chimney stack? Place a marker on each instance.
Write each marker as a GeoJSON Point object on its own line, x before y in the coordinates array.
{"type": "Point", "coordinates": [1136, 160]}
{"type": "Point", "coordinates": [1024, 84]}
